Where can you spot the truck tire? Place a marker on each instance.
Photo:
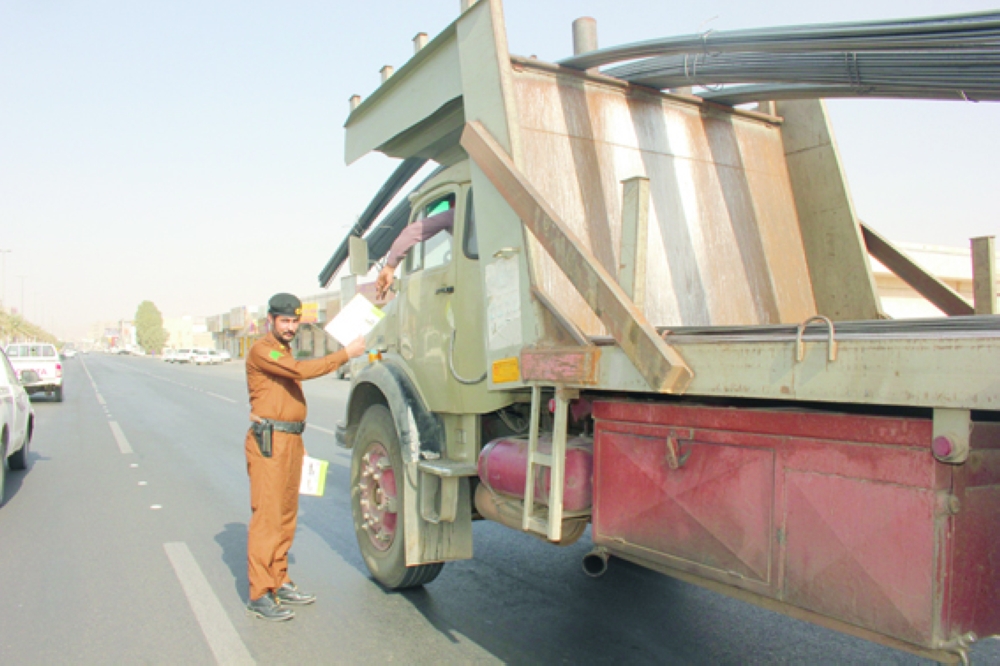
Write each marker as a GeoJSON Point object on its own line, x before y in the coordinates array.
{"type": "Point", "coordinates": [59, 394]}
{"type": "Point", "coordinates": [377, 503]}
{"type": "Point", "coordinates": [19, 459]}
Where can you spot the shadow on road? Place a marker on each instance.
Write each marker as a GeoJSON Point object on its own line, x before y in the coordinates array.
{"type": "Point", "coordinates": [16, 477]}
{"type": "Point", "coordinates": [233, 540]}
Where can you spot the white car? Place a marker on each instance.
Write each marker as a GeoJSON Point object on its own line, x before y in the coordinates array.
{"type": "Point", "coordinates": [44, 360]}
{"type": "Point", "coordinates": [201, 357]}
{"type": "Point", "coordinates": [17, 420]}
{"type": "Point", "coordinates": [169, 355]}
{"type": "Point", "coordinates": [223, 356]}
{"type": "Point", "coordinates": [183, 356]}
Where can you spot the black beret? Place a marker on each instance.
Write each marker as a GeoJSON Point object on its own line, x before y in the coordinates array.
{"type": "Point", "coordinates": [285, 305]}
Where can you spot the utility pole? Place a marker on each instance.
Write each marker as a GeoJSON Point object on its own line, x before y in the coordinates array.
{"type": "Point", "coordinates": [3, 277]}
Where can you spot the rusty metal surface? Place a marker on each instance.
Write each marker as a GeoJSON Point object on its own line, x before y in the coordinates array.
{"type": "Point", "coordinates": [573, 366]}
{"type": "Point", "coordinates": [845, 516]}
{"type": "Point", "coordinates": [663, 368]}
{"type": "Point", "coordinates": [723, 242]}
{"type": "Point", "coordinates": [973, 596]}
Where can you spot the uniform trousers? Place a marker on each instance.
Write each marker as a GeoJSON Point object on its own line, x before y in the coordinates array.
{"type": "Point", "coordinates": [274, 502]}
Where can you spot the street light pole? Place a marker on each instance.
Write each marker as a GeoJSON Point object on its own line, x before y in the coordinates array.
{"type": "Point", "coordinates": [3, 277]}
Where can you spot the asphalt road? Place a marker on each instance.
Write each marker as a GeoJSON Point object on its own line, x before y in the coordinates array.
{"type": "Point", "coordinates": [125, 542]}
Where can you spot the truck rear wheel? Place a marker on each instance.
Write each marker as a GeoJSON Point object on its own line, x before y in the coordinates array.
{"type": "Point", "coordinates": [377, 488]}
{"type": "Point", "coordinates": [58, 394]}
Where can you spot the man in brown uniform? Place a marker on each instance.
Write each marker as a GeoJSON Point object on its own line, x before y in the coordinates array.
{"type": "Point", "coordinates": [274, 455]}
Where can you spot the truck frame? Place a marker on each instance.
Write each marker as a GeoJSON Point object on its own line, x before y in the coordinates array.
{"type": "Point", "coordinates": [682, 290]}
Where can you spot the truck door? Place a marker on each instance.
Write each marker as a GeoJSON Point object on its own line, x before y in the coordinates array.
{"type": "Point", "coordinates": [434, 306]}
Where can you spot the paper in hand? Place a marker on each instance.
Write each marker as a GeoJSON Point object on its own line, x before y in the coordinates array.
{"type": "Point", "coordinates": [357, 318]}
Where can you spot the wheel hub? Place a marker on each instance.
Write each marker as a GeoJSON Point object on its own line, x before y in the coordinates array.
{"type": "Point", "coordinates": [378, 497]}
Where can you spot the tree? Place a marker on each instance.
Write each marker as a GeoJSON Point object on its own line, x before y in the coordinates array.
{"type": "Point", "coordinates": [149, 331]}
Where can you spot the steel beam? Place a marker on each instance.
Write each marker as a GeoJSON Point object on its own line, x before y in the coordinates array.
{"type": "Point", "coordinates": [984, 275]}
{"type": "Point", "coordinates": [938, 293]}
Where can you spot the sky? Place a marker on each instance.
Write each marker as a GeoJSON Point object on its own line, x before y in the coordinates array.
{"type": "Point", "coordinates": [190, 153]}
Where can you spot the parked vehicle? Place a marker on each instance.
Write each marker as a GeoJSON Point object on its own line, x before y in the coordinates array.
{"type": "Point", "coordinates": [202, 357]}
{"type": "Point", "coordinates": [183, 356]}
{"type": "Point", "coordinates": [657, 317]}
{"type": "Point", "coordinates": [224, 356]}
{"type": "Point", "coordinates": [44, 360]}
{"type": "Point", "coordinates": [169, 355]}
{"type": "Point", "coordinates": [17, 420]}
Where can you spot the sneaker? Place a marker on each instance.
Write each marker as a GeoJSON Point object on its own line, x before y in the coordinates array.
{"type": "Point", "coordinates": [293, 596]}
{"type": "Point", "coordinates": [268, 608]}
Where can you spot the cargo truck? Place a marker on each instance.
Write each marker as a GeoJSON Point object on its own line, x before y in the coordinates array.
{"type": "Point", "coordinates": [655, 317]}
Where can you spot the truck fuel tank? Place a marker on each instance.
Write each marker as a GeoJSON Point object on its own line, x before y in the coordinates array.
{"type": "Point", "coordinates": [503, 466]}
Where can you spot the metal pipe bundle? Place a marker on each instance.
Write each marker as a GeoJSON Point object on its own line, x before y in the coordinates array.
{"type": "Point", "coordinates": [946, 57]}
{"type": "Point", "coordinates": [972, 74]}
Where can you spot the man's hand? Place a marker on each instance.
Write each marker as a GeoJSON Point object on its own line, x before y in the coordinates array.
{"type": "Point", "coordinates": [385, 279]}
{"type": "Point", "coordinates": [356, 348]}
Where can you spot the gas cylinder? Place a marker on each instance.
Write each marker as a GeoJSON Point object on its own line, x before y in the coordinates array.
{"type": "Point", "coordinates": [503, 468]}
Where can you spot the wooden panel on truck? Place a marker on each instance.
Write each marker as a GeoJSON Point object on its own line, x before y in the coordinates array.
{"type": "Point", "coordinates": [847, 516]}
{"type": "Point", "coordinates": [723, 243]}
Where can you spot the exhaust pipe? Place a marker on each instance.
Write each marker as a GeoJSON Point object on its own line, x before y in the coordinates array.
{"type": "Point", "coordinates": [595, 563]}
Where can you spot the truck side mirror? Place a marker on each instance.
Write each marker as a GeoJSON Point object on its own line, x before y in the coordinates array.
{"type": "Point", "coordinates": [358, 256]}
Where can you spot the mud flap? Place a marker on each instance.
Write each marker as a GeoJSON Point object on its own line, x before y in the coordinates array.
{"type": "Point", "coordinates": [441, 541]}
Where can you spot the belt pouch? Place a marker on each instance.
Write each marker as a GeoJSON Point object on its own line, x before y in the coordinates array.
{"type": "Point", "coordinates": [262, 433]}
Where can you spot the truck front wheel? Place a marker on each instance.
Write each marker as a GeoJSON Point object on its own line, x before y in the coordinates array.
{"type": "Point", "coordinates": [378, 484]}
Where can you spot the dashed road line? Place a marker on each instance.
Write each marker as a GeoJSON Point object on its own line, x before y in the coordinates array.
{"type": "Point", "coordinates": [322, 429]}
{"type": "Point", "coordinates": [220, 397]}
{"type": "Point", "coordinates": [218, 630]}
{"type": "Point", "coordinates": [123, 444]}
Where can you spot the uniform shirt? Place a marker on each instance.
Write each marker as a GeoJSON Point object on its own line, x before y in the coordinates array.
{"type": "Point", "coordinates": [274, 379]}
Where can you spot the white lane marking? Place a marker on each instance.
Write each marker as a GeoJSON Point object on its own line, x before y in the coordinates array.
{"type": "Point", "coordinates": [326, 430]}
{"type": "Point", "coordinates": [220, 397]}
{"type": "Point", "coordinates": [142, 483]}
{"type": "Point", "coordinates": [337, 452]}
{"type": "Point", "coordinates": [100, 398]}
{"type": "Point", "coordinates": [156, 507]}
{"type": "Point", "coordinates": [123, 444]}
{"type": "Point", "coordinates": [219, 631]}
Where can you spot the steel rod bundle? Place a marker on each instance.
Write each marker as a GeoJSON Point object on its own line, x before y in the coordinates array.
{"type": "Point", "coordinates": [947, 57]}
{"type": "Point", "coordinates": [972, 74]}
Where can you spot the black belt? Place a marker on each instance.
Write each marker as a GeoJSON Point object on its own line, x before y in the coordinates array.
{"type": "Point", "coordinates": [262, 429]}
{"type": "Point", "coordinates": [291, 427]}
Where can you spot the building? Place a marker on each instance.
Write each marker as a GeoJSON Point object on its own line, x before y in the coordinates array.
{"type": "Point", "coordinates": [951, 265]}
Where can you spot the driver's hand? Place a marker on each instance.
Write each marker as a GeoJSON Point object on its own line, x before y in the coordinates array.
{"type": "Point", "coordinates": [356, 348]}
{"type": "Point", "coordinates": [384, 281]}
